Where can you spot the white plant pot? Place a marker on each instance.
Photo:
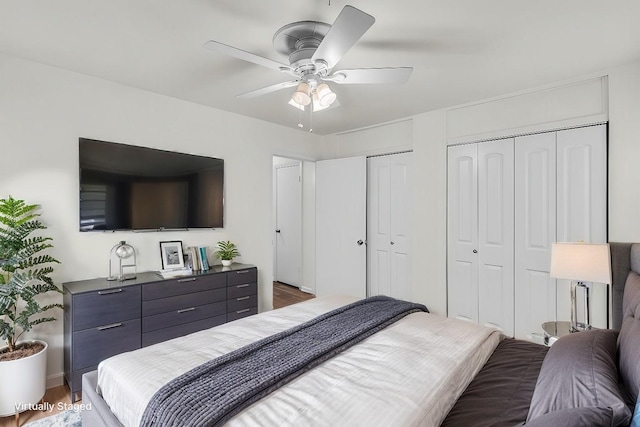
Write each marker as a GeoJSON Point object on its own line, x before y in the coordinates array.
{"type": "Point", "coordinates": [24, 382]}
{"type": "Point", "coordinates": [226, 262]}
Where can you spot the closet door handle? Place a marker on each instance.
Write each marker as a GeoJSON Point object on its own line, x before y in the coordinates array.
{"type": "Point", "coordinates": [475, 251]}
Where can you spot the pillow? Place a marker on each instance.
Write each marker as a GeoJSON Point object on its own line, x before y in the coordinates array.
{"type": "Point", "coordinates": [575, 417]}
{"type": "Point", "coordinates": [579, 371]}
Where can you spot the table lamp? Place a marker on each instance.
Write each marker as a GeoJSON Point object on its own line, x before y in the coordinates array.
{"type": "Point", "coordinates": [583, 264]}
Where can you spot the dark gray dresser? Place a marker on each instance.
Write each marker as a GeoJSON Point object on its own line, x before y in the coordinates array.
{"type": "Point", "coordinates": [103, 318]}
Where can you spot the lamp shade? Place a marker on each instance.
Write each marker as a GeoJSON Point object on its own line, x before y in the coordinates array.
{"type": "Point", "coordinates": [302, 94]}
{"type": "Point", "coordinates": [585, 262]}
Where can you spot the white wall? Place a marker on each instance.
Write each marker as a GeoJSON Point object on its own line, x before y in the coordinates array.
{"type": "Point", "coordinates": [429, 141]}
{"type": "Point", "coordinates": [43, 112]}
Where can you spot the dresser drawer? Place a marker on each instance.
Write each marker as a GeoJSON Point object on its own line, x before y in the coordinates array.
{"type": "Point", "coordinates": [239, 314]}
{"type": "Point", "coordinates": [248, 275]}
{"type": "Point", "coordinates": [242, 302]}
{"type": "Point", "coordinates": [242, 290]}
{"type": "Point", "coordinates": [185, 285]}
{"type": "Point", "coordinates": [92, 346]}
{"type": "Point", "coordinates": [160, 335]}
{"type": "Point", "coordinates": [183, 315]}
{"type": "Point", "coordinates": [106, 306]}
{"type": "Point", "coordinates": [164, 305]}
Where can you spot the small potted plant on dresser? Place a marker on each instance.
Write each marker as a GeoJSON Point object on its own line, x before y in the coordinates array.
{"type": "Point", "coordinates": [24, 275]}
{"type": "Point", "coordinates": [226, 251]}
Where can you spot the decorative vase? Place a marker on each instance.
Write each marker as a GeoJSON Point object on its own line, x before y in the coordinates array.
{"type": "Point", "coordinates": [227, 262]}
{"type": "Point", "coordinates": [24, 382]}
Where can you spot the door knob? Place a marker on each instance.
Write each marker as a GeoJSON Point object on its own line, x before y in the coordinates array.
{"type": "Point", "coordinates": [360, 242]}
{"type": "Point", "coordinates": [475, 251]}
{"type": "Point", "coordinates": [392, 243]}
{"type": "Point", "coordinates": [278, 230]}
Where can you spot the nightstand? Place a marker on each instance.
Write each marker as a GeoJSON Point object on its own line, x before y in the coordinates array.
{"type": "Point", "coordinates": [555, 330]}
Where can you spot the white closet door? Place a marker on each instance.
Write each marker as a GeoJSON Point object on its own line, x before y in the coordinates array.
{"type": "Point", "coordinates": [389, 222]}
{"type": "Point", "coordinates": [379, 225]}
{"type": "Point", "coordinates": [462, 240]}
{"type": "Point", "coordinates": [401, 216]}
{"type": "Point", "coordinates": [582, 204]}
{"type": "Point", "coordinates": [535, 230]}
{"type": "Point", "coordinates": [496, 234]}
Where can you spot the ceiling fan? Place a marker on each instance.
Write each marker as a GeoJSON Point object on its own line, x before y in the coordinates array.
{"type": "Point", "coordinates": [314, 49]}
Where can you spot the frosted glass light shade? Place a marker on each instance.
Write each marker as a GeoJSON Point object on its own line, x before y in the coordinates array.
{"type": "Point", "coordinates": [302, 94]}
{"type": "Point", "coordinates": [325, 96]}
{"type": "Point", "coordinates": [584, 262]}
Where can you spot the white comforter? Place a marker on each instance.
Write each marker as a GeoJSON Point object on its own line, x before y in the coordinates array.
{"type": "Point", "coordinates": [411, 373]}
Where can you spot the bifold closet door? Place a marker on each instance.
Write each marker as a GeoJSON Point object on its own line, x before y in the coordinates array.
{"type": "Point", "coordinates": [582, 205]}
{"type": "Point", "coordinates": [535, 231]}
{"type": "Point", "coordinates": [496, 234]}
{"type": "Point", "coordinates": [462, 232]}
{"type": "Point", "coordinates": [389, 222]}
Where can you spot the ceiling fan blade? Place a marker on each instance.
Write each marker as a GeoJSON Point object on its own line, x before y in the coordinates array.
{"type": "Point", "coordinates": [371, 75]}
{"type": "Point", "coordinates": [268, 89]}
{"type": "Point", "coordinates": [245, 56]}
{"type": "Point", "coordinates": [349, 26]}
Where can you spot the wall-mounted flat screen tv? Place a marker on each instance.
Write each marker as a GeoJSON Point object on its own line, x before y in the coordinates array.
{"type": "Point", "coordinates": [124, 187]}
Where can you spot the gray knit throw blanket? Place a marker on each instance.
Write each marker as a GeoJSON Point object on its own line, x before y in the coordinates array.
{"type": "Point", "coordinates": [212, 393]}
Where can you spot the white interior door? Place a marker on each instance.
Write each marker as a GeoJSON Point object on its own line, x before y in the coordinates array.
{"type": "Point", "coordinates": [462, 233]}
{"type": "Point", "coordinates": [389, 222]}
{"type": "Point", "coordinates": [535, 230]}
{"type": "Point", "coordinates": [379, 225]}
{"type": "Point", "coordinates": [401, 216]}
{"type": "Point", "coordinates": [288, 222]}
{"type": "Point", "coordinates": [496, 234]}
{"type": "Point", "coordinates": [341, 259]}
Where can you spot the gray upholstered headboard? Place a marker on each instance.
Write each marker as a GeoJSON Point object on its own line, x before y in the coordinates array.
{"type": "Point", "coordinates": [625, 271]}
{"type": "Point", "coordinates": [625, 257]}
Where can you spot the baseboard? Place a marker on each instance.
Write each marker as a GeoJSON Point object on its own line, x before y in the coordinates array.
{"type": "Point", "coordinates": [55, 380]}
{"type": "Point", "coordinates": [307, 290]}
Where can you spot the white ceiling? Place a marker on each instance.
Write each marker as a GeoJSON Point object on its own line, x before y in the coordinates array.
{"type": "Point", "coordinates": [461, 50]}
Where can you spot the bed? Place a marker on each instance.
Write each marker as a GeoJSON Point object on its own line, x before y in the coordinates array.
{"type": "Point", "coordinates": [422, 369]}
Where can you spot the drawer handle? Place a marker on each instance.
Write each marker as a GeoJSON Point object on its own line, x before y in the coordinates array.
{"type": "Point", "coordinates": [113, 291]}
{"type": "Point", "coordinates": [111, 326]}
{"type": "Point", "coordinates": [184, 310]}
{"type": "Point", "coordinates": [242, 272]}
{"type": "Point", "coordinates": [242, 286]}
{"type": "Point", "coordinates": [243, 311]}
{"type": "Point", "coordinates": [190, 279]}
{"type": "Point", "coordinates": [242, 298]}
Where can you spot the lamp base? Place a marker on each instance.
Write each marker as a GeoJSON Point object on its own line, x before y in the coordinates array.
{"type": "Point", "coordinates": [585, 324]}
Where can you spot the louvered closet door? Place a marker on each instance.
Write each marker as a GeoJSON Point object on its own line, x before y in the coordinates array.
{"type": "Point", "coordinates": [535, 230]}
{"type": "Point", "coordinates": [462, 233]}
{"type": "Point", "coordinates": [496, 234]}
{"type": "Point", "coordinates": [582, 205]}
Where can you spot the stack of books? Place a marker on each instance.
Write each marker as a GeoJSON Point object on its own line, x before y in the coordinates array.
{"type": "Point", "coordinates": [197, 255]}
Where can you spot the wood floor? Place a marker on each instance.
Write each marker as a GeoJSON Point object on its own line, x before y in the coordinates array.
{"type": "Point", "coordinates": [283, 295]}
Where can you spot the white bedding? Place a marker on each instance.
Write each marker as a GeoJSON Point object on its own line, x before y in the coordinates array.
{"type": "Point", "coordinates": [410, 373]}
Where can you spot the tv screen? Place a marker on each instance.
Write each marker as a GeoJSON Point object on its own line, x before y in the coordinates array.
{"type": "Point", "coordinates": [124, 187]}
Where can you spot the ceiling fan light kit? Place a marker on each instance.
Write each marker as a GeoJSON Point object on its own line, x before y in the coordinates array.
{"type": "Point", "coordinates": [313, 49]}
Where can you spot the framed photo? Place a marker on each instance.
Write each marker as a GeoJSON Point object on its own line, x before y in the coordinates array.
{"type": "Point", "coordinates": [171, 255]}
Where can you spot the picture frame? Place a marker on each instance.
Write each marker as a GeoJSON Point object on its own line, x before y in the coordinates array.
{"type": "Point", "coordinates": [171, 255]}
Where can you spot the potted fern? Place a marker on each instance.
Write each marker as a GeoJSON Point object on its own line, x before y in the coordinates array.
{"type": "Point", "coordinates": [226, 251]}
{"type": "Point", "coordinates": [24, 275]}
